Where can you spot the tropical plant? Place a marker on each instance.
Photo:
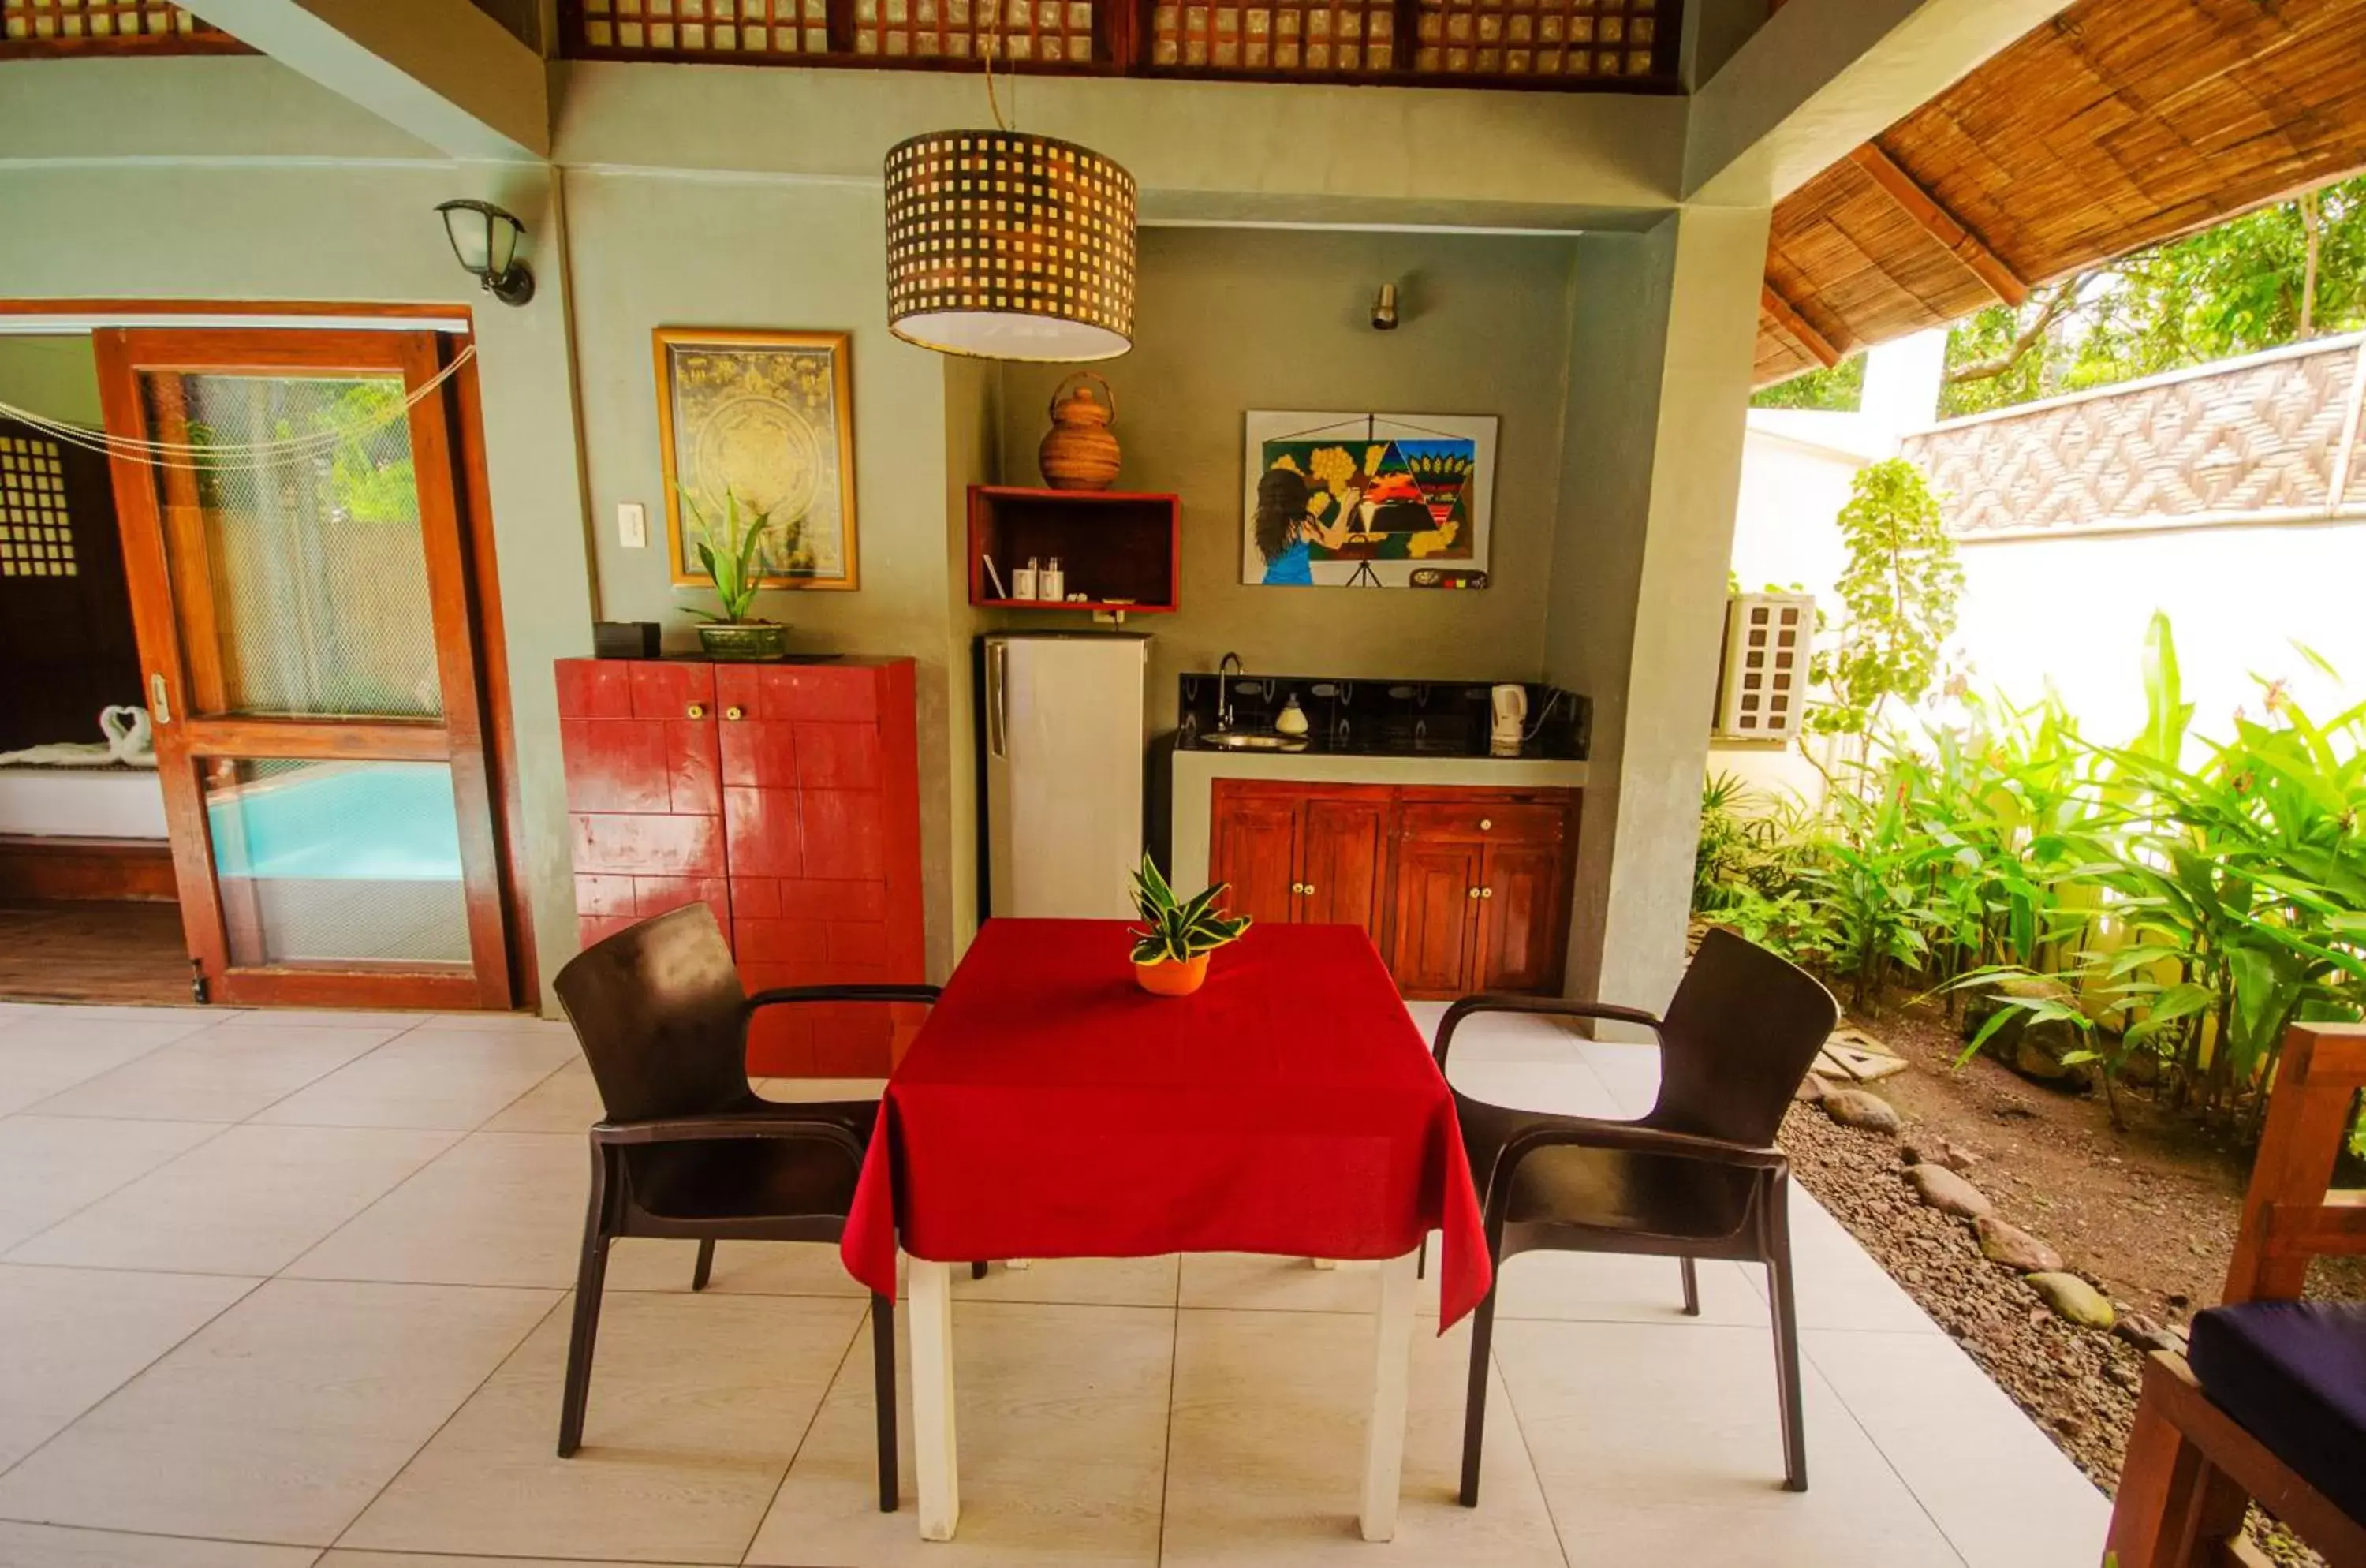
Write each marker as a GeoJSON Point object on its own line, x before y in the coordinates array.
{"type": "Point", "coordinates": [1179, 930]}
{"type": "Point", "coordinates": [731, 554]}
{"type": "Point", "coordinates": [1899, 590]}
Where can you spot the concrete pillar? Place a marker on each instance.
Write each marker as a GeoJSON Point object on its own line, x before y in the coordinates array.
{"type": "Point", "coordinates": [1644, 865]}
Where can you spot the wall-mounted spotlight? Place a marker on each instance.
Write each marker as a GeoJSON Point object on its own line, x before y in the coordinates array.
{"type": "Point", "coordinates": [485, 238]}
{"type": "Point", "coordinates": [1384, 310]}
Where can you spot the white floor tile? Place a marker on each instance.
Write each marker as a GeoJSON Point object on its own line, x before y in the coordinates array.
{"type": "Point", "coordinates": [71, 1336]}
{"type": "Point", "coordinates": [249, 1202]}
{"type": "Point", "coordinates": [46, 1054]}
{"type": "Point", "coordinates": [1062, 1415]}
{"type": "Point", "coordinates": [521, 1022]}
{"type": "Point", "coordinates": [50, 1546]}
{"type": "Point", "coordinates": [1248, 1281]}
{"type": "Point", "coordinates": [1608, 1287]}
{"type": "Point", "coordinates": [496, 1209]}
{"type": "Point", "coordinates": [1075, 1282]}
{"type": "Point", "coordinates": [1837, 1284]}
{"type": "Point", "coordinates": [281, 1419]}
{"type": "Point", "coordinates": [697, 1404]}
{"type": "Point", "coordinates": [1961, 1444]}
{"type": "Point", "coordinates": [51, 1166]}
{"type": "Point", "coordinates": [428, 1078]}
{"type": "Point", "coordinates": [223, 1074]}
{"type": "Point", "coordinates": [566, 1101]}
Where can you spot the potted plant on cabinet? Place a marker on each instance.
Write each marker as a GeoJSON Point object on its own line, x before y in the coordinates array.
{"type": "Point", "coordinates": [1170, 954]}
{"type": "Point", "coordinates": [732, 556]}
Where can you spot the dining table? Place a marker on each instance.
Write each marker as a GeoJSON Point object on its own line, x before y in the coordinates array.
{"type": "Point", "coordinates": [1049, 1108]}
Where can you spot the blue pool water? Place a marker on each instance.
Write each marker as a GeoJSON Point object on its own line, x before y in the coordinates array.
{"type": "Point", "coordinates": [341, 821]}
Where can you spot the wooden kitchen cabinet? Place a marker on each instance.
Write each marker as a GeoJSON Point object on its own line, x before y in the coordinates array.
{"type": "Point", "coordinates": [787, 797]}
{"type": "Point", "coordinates": [1462, 889]}
{"type": "Point", "coordinates": [1298, 854]}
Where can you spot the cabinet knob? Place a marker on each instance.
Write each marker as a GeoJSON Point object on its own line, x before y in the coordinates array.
{"type": "Point", "coordinates": [1486, 823]}
{"type": "Point", "coordinates": [695, 710]}
{"type": "Point", "coordinates": [1486, 892]}
{"type": "Point", "coordinates": [734, 711]}
{"type": "Point", "coordinates": [1307, 888]}
{"type": "Point", "coordinates": [1472, 893]}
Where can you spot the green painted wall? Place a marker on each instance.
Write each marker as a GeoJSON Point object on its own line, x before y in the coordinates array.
{"type": "Point", "coordinates": [56, 377]}
{"type": "Point", "coordinates": [1230, 319]}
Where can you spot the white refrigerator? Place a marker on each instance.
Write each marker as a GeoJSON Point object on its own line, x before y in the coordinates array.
{"type": "Point", "coordinates": [1064, 766]}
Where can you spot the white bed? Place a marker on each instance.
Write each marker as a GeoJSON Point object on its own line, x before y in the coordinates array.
{"type": "Point", "coordinates": [81, 803]}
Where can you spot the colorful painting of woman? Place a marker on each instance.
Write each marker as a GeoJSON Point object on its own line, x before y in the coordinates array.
{"type": "Point", "coordinates": [1289, 523]}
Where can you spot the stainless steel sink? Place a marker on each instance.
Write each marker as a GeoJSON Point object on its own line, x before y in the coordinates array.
{"type": "Point", "coordinates": [1244, 740]}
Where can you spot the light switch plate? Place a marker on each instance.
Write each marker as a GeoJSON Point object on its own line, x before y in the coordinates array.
{"type": "Point", "coordinates": [632, 525]}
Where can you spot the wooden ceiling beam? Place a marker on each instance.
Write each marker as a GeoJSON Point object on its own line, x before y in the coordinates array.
{"type": "Point", "coordinates": [1787, 317]}
{"type": "Point", "coordinates": [1940, 224]}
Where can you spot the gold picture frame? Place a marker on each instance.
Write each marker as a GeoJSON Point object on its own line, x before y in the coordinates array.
{"type": "Point", "coordinates": [769, 418]}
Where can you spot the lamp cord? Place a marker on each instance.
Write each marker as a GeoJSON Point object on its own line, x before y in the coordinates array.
{"type": "Point", "coordinates": [993, 44]}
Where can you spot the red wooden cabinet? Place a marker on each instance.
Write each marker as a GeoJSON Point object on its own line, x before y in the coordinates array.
{"type": "Point", "coordinates": [1462, 889]}
{"type": "Point", "coordinates": [787, 797]}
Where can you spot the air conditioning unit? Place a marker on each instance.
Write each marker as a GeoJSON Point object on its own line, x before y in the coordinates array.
{"type": "Point", "coordinates": [1762, 693]}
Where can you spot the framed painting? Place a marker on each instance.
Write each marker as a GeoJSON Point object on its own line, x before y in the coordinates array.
{"type": "Point", "coordinates": [765, 419]}
{"type": "Point", "coordinates": [1368, 500]}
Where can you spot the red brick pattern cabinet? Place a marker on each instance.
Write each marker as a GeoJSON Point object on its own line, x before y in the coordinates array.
{"type": "Point", "coordinates": [787, 797]}
{"type": "Point", "coordinates": [1462, 890]}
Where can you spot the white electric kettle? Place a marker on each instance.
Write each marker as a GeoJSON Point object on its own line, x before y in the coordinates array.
{"type": "Point", "coordinates": [1511, 706]}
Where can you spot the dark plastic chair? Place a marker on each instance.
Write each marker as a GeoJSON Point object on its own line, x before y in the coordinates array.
{"type": "Point", "coordinates": [1698, 1177]}
{"type": "Point", "coordinates": [687, 1148]}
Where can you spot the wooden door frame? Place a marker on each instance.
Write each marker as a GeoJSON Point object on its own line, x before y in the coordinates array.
{"type": "Point", "coordinates": [499, 906]}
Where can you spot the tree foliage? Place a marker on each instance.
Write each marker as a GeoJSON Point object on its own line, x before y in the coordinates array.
{"type": "Point", "coordinates": [2269, 278]}
{"type": "Point", "coordinates": [1899, 590]}
{"type": "Point", "coordinates": [1840, 389]}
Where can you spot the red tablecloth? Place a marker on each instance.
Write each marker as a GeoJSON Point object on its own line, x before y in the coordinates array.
{"type": "Point", "coordinates": [1050, 1108]}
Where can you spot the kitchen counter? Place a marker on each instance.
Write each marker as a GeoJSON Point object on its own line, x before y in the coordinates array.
{"type": "Point", "coordinates": [1195, 771]}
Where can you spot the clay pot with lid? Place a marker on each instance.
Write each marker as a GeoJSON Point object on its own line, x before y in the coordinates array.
{"type": "Point", "coordinates": [1078, 451]}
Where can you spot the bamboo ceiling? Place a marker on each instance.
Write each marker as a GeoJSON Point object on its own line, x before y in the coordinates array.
{"type": "Point", "coordinates": [2116, 125]}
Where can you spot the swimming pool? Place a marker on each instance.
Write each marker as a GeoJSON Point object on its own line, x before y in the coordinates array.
{"type": "Point", "coordinates": [339, 863]}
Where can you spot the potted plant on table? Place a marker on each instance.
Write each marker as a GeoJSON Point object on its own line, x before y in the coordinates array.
{"type": "Point", "coordinates": [733, 558]}
{"type": "Point", "coordinates": [1170, 954]}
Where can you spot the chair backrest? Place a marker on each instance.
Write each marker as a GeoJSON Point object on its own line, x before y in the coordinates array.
{"type": "Point", "coordinates": [2288, 1216]}
{"type": "Point", "coordinates": [658, 1010]}
{"type": "Point", "coordinates": [1741, 1033]}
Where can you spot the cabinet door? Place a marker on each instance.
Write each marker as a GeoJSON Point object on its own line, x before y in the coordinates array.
{"type": "Point", "coordinates": [1522, 924]}
{"type": "Point", "coordinates": [637, 738]}
{"type": "Point", "coordinates": [1436, 908]}
{"type": "Point", "coordinates": [1343, 860]}
{"type": "Point", "coordinates": [1254, 846]}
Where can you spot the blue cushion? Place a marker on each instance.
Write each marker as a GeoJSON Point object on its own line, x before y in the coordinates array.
{"type": "Point", "coordinates": [2294, 1373]}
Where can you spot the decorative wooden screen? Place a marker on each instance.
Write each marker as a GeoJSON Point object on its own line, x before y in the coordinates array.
{"type": "Point", "coordinates": [1762, 691]}
{"type": "Point", "coordinates": [89, 26]}
{"type": "Point", "coordinates": [1615, 44]}
{"type": "Point", "coordinates": [36, 536]}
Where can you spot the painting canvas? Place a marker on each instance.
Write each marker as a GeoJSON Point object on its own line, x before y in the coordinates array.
{"type": "Point", "coordinates": [1368, 500]}
{"type": "Point", "coordinates": [767, 419]}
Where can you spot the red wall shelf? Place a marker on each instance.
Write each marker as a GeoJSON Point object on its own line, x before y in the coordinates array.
{"type": "Point", "coordinates": [1122, 547]}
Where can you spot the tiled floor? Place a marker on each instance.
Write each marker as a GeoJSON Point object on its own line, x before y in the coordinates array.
{"type": "Point", "coordinates": [284, 1289]}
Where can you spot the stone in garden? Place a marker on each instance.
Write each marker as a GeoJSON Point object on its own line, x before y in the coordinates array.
{"type": "Point", "coordinates": [2004, 1242]}
{"type": "Point", "coordinates": [1811, 1091]}
{"type": "Point", "coordinates": [2040, 1051]}
{"type": "Point", "coordinates": [2034, 1047]}
{"type": "Point", "coordinates": [2146, 1334]}
{"type": "Point", "coordinates": [1855, 1108]}
{"type": "Point", "coordinates": [1942, 1190]}
{"type": "Point", "coordinates": [1938, 1151]}
{"type": "Point", "coordinates": [2074, 1299]}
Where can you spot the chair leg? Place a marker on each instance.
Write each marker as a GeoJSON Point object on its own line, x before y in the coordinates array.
{"type": "Point", "coordinates": [591, 1273]}
{"type": "Point", "coordinates": [699, 1275]}
{"type": "Point", "coordinates": [1420, 1258]}
{"type": "Point", "coordinates": [1474, 1408]}
{"type": "Point", "coordinates": [1692, 1288]}
{"type": "Point", "coordinates": [883, 1361]}
{"type": "Point", "coordinates": [977, 1269]}
{"type": "Point", "coordinates": [1775, 1226]}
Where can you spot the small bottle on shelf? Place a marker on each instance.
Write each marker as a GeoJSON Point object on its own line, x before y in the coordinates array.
{"type": "Point", "coordinates": [1052, 583]}
{"type": "Point", "coordinates": [1022, 580]}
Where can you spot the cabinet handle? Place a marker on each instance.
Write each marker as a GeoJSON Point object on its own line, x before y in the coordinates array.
{"type": "Point", "coordinates": [695, 710]}
{"type": "Point", "coordinates": [1486, 823]}
{"type": "Point", "coordinates": [734, 711]}
{"type": "Point", "coordinates": [1472, 893]}
{"type": "Point", "coordinates": [1308, 889]}
{"type": "Point", "coordinates": [1486, 892]}
{"type": "Point", "coordinates": [158, 708]}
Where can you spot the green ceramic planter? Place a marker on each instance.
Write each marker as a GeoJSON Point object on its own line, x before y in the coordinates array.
{"type": "Point", "coordinates": [744, 643]}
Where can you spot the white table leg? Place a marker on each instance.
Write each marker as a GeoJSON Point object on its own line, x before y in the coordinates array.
{"type": "Point", "coordinates": [932, 1398]}
{"type": "Point", "coordinates": [1392, 1374]}
{"type": "Point", "coordinates": [1324, 1262]}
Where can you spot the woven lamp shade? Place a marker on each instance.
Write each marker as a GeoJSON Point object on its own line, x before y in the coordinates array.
{"type": "Point", "coordinates": [1004, 245]}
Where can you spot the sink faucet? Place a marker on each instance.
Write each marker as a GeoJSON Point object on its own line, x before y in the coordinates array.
{"type": "Point", "coordinates": [1225, 667]}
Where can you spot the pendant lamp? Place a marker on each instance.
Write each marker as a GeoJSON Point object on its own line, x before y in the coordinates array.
{"type": "Point", "coordinates": [1002, 244]}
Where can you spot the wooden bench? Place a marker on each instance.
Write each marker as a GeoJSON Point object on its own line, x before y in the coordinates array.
{"type": "Point", "coordinates": [2192, 1469]}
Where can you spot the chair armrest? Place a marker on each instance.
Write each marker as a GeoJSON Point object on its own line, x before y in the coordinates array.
{"type": "Point", "coordinates": [844, 994]}
{"type": "Point", "coordinates": [1552, 1006]}
{"type": "Point", "coordinates": [732, 1126]}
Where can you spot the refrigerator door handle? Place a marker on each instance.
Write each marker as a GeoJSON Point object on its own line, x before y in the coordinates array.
{"type": "Point", "coordinates": [997, 675]}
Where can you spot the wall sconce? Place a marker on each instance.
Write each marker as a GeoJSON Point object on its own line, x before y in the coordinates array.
{"type": "Point", "coordinates": [485, 238]}
{"type": "Point", "coordinates": [1384, 310]}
